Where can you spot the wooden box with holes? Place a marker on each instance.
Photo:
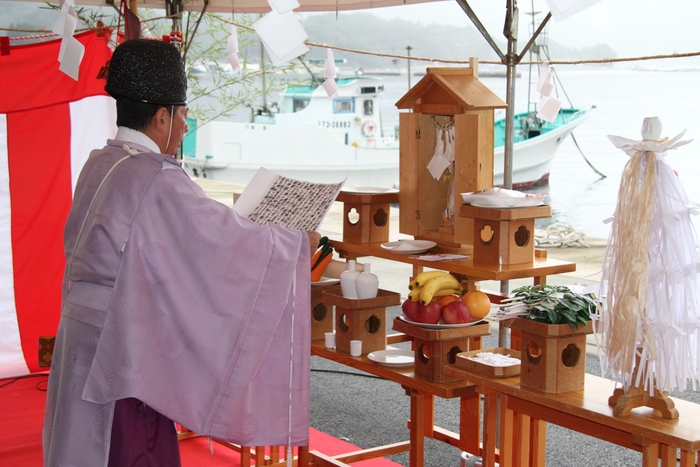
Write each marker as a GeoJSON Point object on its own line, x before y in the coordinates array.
{"type": "Point", "coordinates": [435, 348]}
{"type": "Point", "coordinates": [504, 236]}
{"type": "Point", "coordinates": [321, 312]}
{"type": "Point", "coordinates": [553, 356]}
{"type": "Point", "coordinates": [366, 216]}
{"type": "Point", "coordinates": [360, 319]}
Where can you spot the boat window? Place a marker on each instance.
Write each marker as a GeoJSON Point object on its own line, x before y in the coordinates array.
{"type": "Point", "coordinates": [299, 104]}
{"type": "Point", "coordinates": [343, 106]}
{"type": "Point", "coordinates": [368, 90]}
{"type": "Point", "coordinates": [369, 107]}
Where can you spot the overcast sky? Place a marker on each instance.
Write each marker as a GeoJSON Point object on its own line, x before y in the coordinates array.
{"type": "Point", "coordinates": [630, 27]}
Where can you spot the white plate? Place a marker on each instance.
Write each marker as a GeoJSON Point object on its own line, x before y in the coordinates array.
{"type": "Point", "coordinates": [409, 247]}
{"type": "Point", "coordinates": [370, 189]}
{"type": "Point", "coordinates": [487, 201]}
{"type": "Point", "coordinates": [325, 281]}
{"type": "Point", "coordinates": [441, 325]}
{"type": "Point", "coordinates": [392, 357]}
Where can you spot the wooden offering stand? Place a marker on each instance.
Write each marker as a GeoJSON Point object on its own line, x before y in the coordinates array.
{"type": "Point", "coordinates": [435, 348]}
{"type": "Point", "coordinates": [504, 236]}
{"type": "Point", "coordinates": [361, 319]}
{"type": "Point", "coordinates": [553, 356]}
{"type": "Point", "coordinates": [623, 402]}
{"type": "Point", "coordinates": [366, 216]}
{"type": "Point", "coordinates": [321, 312]}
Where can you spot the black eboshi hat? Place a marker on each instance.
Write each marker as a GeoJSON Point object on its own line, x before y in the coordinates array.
{"type": "Point", "coordinates": [148, 71]}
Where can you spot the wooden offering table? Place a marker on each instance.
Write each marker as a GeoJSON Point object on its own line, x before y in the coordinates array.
{"type": "Point", "coordinates": [422, 395]}
{"type": "Point", "coordinates": [524, 413]}
{"type": "Point", "coordinates": [539, 269]}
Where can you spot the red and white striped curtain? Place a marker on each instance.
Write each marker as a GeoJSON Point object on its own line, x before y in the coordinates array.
{"type": "Point", "coordinates": [48, 125]}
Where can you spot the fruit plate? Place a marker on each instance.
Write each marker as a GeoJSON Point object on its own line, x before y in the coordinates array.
{"type": "Point", "coordinates": [392, 357]}
{"type": "Point", "coordinates": [325, 281]}
{"type": "Point", "coordinates": [441, 325]}
{"type": "Point", "coordinates": [489, 201]}
{"type": "Point", "coordinates": [409, 247]}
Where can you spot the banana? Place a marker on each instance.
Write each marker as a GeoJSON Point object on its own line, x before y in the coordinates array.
{"type": "Point", "coordinates": [449, 291]}
{"type": "Point", "coordinates": [414, 295]}
{"type": "Point", "coordinates": [422, 278]}
{"type": "Point", "coordinates": [444, 281]}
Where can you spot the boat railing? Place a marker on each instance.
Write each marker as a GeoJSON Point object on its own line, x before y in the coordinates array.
{"type": "Point", "coordinates": [580, 112]}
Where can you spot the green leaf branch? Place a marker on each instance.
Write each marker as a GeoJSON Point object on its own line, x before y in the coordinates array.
{"type": "Point", "coordinates": [551, 304]}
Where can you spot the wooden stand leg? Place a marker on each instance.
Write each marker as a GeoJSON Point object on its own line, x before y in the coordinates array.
{"type": "Point", "coordinates": [623, 403]}
{"type": "Point", "coordinates": [488, 453]}
{"type": "Point", "coordinates": [667, 455]}
{"type": "Point", "coordinates": [538, 442]}
{"type": "Point", "coordinates": [521, 434]}
{"type": "Point", "coordinates": [688, 458]}
{"type": "Point", "coordinates": [469, 423]}
{"type": "Point", "coordinates": [416, 456]}
{"type": "Point", "coordinates": [505, 452]}
{"type": "Point", "coordinates": [650, 455]}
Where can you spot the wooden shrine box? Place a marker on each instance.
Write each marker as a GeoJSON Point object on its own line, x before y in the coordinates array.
{"type": "Point", "coordinates": [504, 236]}
{"type": "Point", "coordinates": [435, 348]}
{"type": "Point", "coordinates": [553, 356]}
{"type": "Point", "coordinates": [361, 319]}
{"type": "Point", "coordinates": [321, 312]}
{"type": "Point", "coordinates": [366, 216]}
{"type": "Point", "coordinates": [444, 97]}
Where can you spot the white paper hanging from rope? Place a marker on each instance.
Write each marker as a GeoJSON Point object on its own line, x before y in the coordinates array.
{"type": "Point", "coordinates": [71, 51]}
{"type": "Point", "coordinates": [562, 9]}
{"type": "Point", "coordinates": [232, 42]}
{"type": "Point", "coordinates": [331, 87]}
{"type": "Point", "coordinates": [282, 35]}
{"type": "Point", "coordinates": [549, 108]}
{"type": "Point", "coordinates": [329, 71]}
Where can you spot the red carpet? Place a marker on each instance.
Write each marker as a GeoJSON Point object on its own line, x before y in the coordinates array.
{"type": "Point", "coordinates": [22, 414]}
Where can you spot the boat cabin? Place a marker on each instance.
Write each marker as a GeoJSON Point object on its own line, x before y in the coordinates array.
{"type": "Point", "coordinates": [352, 116]}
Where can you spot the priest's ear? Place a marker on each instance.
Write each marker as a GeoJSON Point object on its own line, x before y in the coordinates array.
{"type": "Point", "coordinates": [161, 120]}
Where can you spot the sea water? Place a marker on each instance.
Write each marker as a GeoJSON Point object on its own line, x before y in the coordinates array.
{"type": "Point", "coordinates": [623, 98]}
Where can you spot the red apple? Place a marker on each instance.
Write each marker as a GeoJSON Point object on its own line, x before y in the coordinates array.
{"type": "Point", "coordinates": [410, 309]}
{"type": "Point", "coordinates": [429, 314]}
{"type": "Point", "coordinates": [455, 313]}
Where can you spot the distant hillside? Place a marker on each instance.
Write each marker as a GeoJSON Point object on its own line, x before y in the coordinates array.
{"type": "Point", "coordinates": [365, 31]}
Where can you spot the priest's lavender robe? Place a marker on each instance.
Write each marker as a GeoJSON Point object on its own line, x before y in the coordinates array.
{"type": "Point", "coordinates": [174, 299]}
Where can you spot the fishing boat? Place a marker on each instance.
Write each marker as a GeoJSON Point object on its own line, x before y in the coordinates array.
{"type": "Point", "coordinates": [309, 136]}
{"type": "Point", "coordinates": [535, 145]}
{"type": "Point", "coordinates": [306, 135]}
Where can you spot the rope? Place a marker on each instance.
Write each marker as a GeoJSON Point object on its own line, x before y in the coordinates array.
{"type": "Point", "coordinates": [562, 236]}
{"type": "Point", "coordinates": [427, 59]}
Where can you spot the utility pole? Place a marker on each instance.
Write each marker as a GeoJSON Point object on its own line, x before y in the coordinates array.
{"type": "Point", "coordinates": [408, 52]}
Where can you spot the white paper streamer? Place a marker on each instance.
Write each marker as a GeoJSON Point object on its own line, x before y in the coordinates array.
{"type": "Point", "coordinates": [668, 332]}
{"type": "Point", "coordinates": [329, 71]}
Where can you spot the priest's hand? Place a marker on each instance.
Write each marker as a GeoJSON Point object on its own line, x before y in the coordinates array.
{"type": "Point", "coordinates": [314, 238]}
